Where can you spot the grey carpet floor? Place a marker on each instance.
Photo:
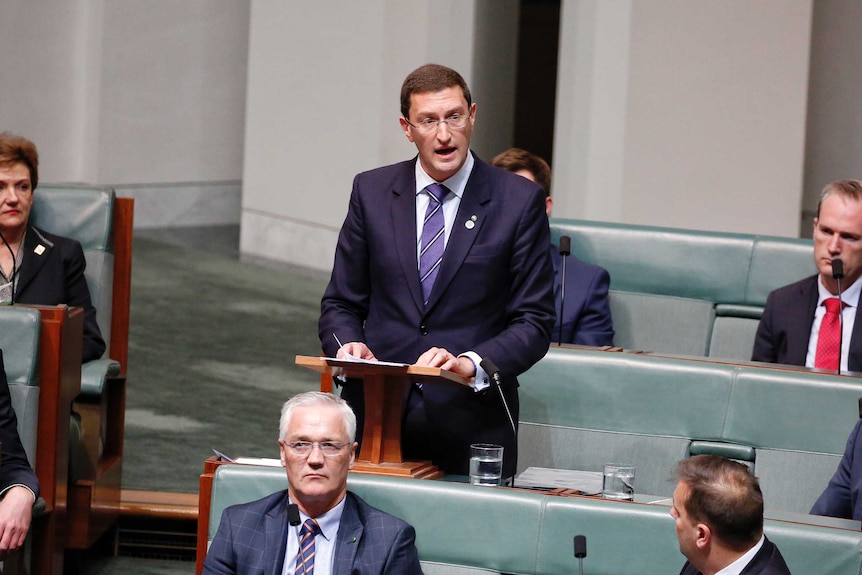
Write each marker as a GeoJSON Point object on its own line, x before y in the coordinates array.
{"type": "Point", "coordinates": [211, 353]}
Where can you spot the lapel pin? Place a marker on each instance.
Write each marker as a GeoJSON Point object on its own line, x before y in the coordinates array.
{"type": "Point", "coordinates": [39, 250]}
{"type": "Point", "coordinates": [471, 223]}
{"type": "Point", "coordinates": [353, 539]}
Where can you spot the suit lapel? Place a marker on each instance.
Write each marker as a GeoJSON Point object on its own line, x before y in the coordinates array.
{"type": "Point", "coordinates": [800, 323]}
{"type": "Point", "coordinates": [36, 252]}
{"type": "Point", "coordinates": [350, 532]}
{"type": "Point", "coordinates": [473, 209]}
{"type": "Point", "coordinates": [403, 212]}
{"type": "Point", "coordinates": [276, 537]}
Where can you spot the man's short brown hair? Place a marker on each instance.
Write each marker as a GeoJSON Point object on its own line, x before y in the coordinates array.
{"type": "Point", "coordinates": [17, 150]}
{"type": "Point", "coordinates": [516, 159]}
{"type": "Point", "coordinates": [847, 188]}
{"type": "Point", "coordinates": [431, 78]}
{"type": "Point", "coordinates": [726, 496]}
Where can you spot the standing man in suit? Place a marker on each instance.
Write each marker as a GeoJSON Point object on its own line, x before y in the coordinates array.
{"type": "Point", "coordinates": [340, 534]}
{"type": "Point", "coordinates": [19, 486]}
{"type": "Point", "coordinates": [790, 327]}
{"type": "Point", "coordinates": [718, 510]}
{"type": "Point", "coordinates": [392, 297]}
{"type": "Point", "coordinates": [586, 316]}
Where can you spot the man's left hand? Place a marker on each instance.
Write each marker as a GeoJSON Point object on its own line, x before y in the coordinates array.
{"type": "Point", "coordinates": [439, 357]}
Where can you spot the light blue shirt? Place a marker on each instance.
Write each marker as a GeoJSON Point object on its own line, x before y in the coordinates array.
{"type": "Point", "coordinates": [456, 184]}
{"type": "Point", "coordinates": [324, 542]}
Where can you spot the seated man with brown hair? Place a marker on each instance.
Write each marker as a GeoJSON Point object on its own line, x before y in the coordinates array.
{"type": "Point", "coordinates": [718, 509]}
{"type": "Point", "coordinates": [587, 312]}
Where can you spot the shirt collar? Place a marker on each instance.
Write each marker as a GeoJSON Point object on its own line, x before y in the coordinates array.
{"type": "Point", "coordinates": [850, 296]}
{"type": "Point", "coordinates": [329, 521]}
{"type": "Point", "coordinates": [737, 566]}
{"type": "Point", "coordinates": [456, 183]}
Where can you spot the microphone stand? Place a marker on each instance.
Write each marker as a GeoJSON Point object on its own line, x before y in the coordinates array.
{"type": "Point", "coordinates": [14, 271]}
{"type": "Point", "coordinates": [838, 273]}
{"type": "Point", "coordinates": [565, 250]}
{"type": "Point", "coordinates": [580, 551]}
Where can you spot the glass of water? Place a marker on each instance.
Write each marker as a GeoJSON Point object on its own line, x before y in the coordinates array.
{"type": "Point", "coordinates": [486, 463]}
{"type": "Point", "coordinates": [619, 481]}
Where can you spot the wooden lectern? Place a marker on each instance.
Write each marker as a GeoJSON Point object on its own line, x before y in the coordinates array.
{"type": "Point", "coordinates": [386, 387]}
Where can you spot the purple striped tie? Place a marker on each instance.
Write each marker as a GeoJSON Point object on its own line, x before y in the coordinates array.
{"type": "Point", "coordinates": [433, 239]}
{"type": "Point", "coordinates": [305, 556]}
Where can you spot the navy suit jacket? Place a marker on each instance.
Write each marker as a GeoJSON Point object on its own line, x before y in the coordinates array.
{"type": "Point", "coordinates": [841, 498]}
{"type": "Point", "coordinates": [493, 295]}
{"type": "Point", "coordinates": [14, 469]}
{"type": "Point", "coordinates": [52, 273]}
{"type": "Point", "coordinates": [252, 538]}
{"type": "Point", "coordinates": [767, 561]}
{"type": "Point", "coordinates": [785, 326]}
{"type": "Point", "coordinates": [587, 313]}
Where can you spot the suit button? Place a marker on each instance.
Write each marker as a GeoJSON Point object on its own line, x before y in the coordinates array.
{"type": "Point", "coordinates": [423, 329]}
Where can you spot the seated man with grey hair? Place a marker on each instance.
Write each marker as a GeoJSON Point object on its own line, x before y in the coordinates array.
{"type": "Point", "coordinates": [718, 509]}
{"type": "Point", "coordinates": [339, 533]}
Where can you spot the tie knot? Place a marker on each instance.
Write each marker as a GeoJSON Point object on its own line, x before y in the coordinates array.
{"type": "Point", "coordinates": [833, 305]}
{"type": "Point", "coordinates": [310, 526]}
{"type": "Point", "coordinates": [438, 192]}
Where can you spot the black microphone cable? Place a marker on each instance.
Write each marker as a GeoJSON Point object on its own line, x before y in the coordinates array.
{"type": "Point", "coordinates": [838, 273]}
{"type": "Point", "coordinates": [565, 250]}
{"type": "Point", "coordinates": [14, 269]}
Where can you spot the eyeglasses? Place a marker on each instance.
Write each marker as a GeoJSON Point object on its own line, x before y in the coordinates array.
{"type": "Point", "coordinates": [429, 125]}
{"type": "Point", "coordinates": [329, 448]}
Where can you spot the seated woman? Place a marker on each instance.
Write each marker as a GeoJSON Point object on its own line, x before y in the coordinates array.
{"type": "Point", "coordinates": [37, 267]}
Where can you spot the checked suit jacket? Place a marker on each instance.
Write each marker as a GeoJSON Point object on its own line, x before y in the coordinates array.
{"type": "Point", "coordinates": [252, 539]}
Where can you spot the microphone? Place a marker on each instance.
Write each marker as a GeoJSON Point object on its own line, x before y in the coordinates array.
{"type": "Point", "coordinates": [580, 551]}
{"type": "Point", "coordinates": [293, 514]}
{"type": "Point", "coordinates": [491, 369]}
{"type": "Point", "coordinates": [565, 250]}
{"type": "Point", "coordinates": [837, 274]}
{"type": "Point", "coordinates": [14, 271]}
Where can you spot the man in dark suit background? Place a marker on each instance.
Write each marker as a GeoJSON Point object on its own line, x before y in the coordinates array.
{"type": "Point", "coordinates": [493, 292]}
{"type": "Point", "coordinates": [790, 325]}
{"type": "Point", "coordinates": [19, 486]}
{"type": "Point", "coordinates": [718, 511]}
{"type": "Point", "coordinates": [316, 439]}
{"type": "Point", "coordinates": [586, 315]}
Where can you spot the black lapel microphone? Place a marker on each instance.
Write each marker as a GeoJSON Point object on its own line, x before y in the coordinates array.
{"type": "Point", "coordinates": [580, 551]}
{"type": "Point", "coordinates": [838, 273]}
{"type": "Point", "coordinates": [491, 369]}
{"type": "Point", "coordinates": [565, 250]}
{"type": "Point", "coordinates": [293, 514]}
{"type": "Point", "coordinates": [14, 271]}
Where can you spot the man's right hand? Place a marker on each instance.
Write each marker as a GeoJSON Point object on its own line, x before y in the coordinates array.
{"type": "Point", "coordinates": [355, 349]}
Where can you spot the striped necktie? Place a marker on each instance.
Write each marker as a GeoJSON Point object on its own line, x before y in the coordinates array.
{"type": "Point", "coordinates": [305, 556]}
{"type": "Point", "coordinates": [433, 239]}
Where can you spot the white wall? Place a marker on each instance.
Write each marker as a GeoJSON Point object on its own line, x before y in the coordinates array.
{"type": "Point", "coordinates": [683, 113]}
{"type": "Point", "coordinates": [834, 144]}
{"type": "Point", "coordinates": [147, 96]}
{"type": "Point", "coordinates": [323, 104]}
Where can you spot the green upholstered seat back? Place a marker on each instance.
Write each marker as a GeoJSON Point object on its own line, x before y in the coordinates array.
{"type": "Point", "coordinates": [581, 408]}
{"type": "Point", "coordinates": [711, 266]}
{"type": "Point", "coordinates": [19, 340]}
{"type": "Point", "coordinates": [733, 331]}
{"type": "Point", "coordinates": [85, 214]}
{"type": "Point", "coordinates": [469, 529]}
{"type": "Point", "coordinates": [661, 324]}
{"type": "Point", "coordinates": [798, 423]}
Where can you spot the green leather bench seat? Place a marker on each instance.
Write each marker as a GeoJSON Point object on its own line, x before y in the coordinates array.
{"type": "Point", "coordinates": [465, 529]}
{"type": "Point", "coordinates": [583, 407]}
{"type": "Point", "coordinates": [683, 291]}
{"type": "Point", "coordinates": [19, 340]}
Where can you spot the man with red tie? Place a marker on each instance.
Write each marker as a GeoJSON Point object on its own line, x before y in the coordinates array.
{"type": "Point", "coordinates": [800, 324]}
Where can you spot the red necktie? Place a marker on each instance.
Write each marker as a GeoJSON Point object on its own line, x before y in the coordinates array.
{"type": "Point", "coordinates": [829, 339]}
